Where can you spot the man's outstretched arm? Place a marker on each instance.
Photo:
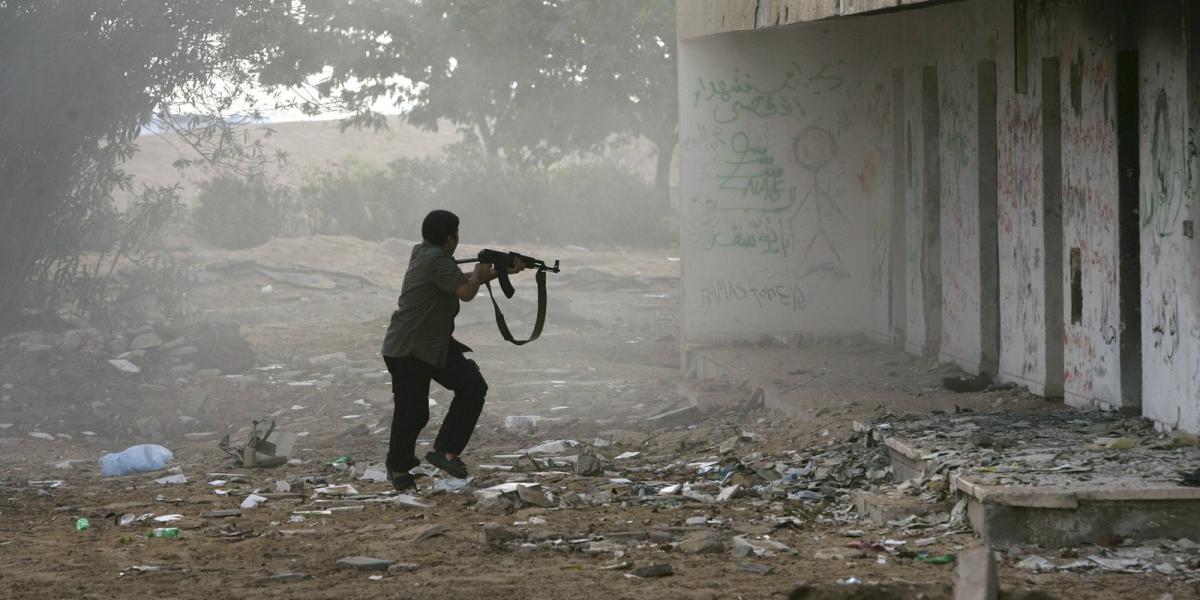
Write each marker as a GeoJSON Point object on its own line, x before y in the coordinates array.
{"type": "Point", "coordinates": [483, 273]}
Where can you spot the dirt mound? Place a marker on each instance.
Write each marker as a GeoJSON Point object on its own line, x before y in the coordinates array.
{"type": "Point", "coordinates": [220, 345]}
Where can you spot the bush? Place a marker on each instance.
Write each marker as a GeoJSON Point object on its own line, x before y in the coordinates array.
{"type": "Point", "coordinates": [498, 202]}
{"type": "Point", "coordinates": [235, 212]}
{"type": "Point", "coordinates": [366, 201]}
{"type": "Point", "coordinates": [601, 204]}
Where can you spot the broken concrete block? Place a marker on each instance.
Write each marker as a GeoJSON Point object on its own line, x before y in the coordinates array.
{"type": "Point", "coordinates": [702, 542]}
{"type": "Point", "coordinates": [743, 547]}
{"type": "Point", "coordinates": [364, 563]}
{"type": "Point", "coordinates": [498, 535]}
{"type": "Point", "coordinates": [755, 568]}
{"type": "Point", "coordinates": [125, 366]}
{"type": "Point", "coordinates": [145, 340]}
{"type": "Point", "coordinates": [658, 570]}
{"type": "Point", "coordinates": [975, 576]}
{"type": "Point", "coordinates": [422, 532]}
{"type": "Point", "coordinates": [182, 351]}
{"type": "Point", "coordinates": [1037, 564]}
{"type": "Point", "coordinates": [882, 508]}
{"type": "Point", "coordinates": [674, 418]}
{"type": "Point", "coordinates": [220, 514]}
{"type": "Point", "coordinates": [501, 504]}
{"type": "Point", "coordinates": [589, 465]}
{"type": "Point", "coordinates": [729, 493]}
{"type": "Point", "coordinates": [837, 553]}
{"type": "Point", "coordinates": [284, 578]}
{"type": "Point", "coordinates": [534, 495]}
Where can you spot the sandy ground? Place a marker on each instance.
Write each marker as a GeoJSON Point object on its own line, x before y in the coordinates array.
{"type": "Point", "coordinates": [608, 360]}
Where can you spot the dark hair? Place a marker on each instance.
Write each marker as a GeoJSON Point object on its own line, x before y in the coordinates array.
{"type": "Point", "coordinates": [438, 226]}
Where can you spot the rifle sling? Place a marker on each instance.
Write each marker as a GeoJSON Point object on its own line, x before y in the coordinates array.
{"type": "Point", "coordinates": [541, 312]}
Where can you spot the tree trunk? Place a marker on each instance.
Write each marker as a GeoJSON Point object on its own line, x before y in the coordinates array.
{"type": "Point", "coordinates": [665, 146]}
{"type": "Point", "coordinates": [488, 138]}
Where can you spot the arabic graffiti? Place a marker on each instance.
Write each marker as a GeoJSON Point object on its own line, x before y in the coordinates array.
{"type": "Point", "coordinates": [739, 97]}
{"type": "Point", "coordinates": [753, 172]}
{"type": "Point", "coordinates": [717, 291]}
{"type": "Point", "coordinates": [761, 231]}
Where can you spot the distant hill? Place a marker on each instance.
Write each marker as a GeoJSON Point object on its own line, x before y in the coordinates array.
{"type": "Point", "coordinates": [310, 146]}
{"type": "Point", "coordinates": [313, 146]}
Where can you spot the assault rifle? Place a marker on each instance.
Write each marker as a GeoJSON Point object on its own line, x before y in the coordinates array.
{"type": "Point", "coordinates": [502, 262]}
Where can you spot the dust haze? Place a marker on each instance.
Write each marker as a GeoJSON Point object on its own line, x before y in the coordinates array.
{"type": "Point", "coordinates": [207, 212]}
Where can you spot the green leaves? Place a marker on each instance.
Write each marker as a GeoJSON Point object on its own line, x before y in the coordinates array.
{"type": "Point", "coordinates": [532, 81]}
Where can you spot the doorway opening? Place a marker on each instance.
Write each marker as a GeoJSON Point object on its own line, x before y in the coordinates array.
{"type": "Point", "coordinates": [1052, 223]}
{"type": "Point", "coordinates": [1129, 231]}
{"type": "Point", "coordinates": [989, 232]}
{"type": "Point", "coordinates": [931, 256]}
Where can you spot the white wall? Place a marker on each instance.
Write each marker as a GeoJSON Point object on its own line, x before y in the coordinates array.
{"type": "Point", "coordinates": [783, 152]}
{"type": "Point", "coordinates": [1170, 331]}
{"type": "Point", "coordinates": [790, 165]}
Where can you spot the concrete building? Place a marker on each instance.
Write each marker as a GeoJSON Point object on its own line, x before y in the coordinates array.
{"type": "Point", "coordinates": [1002, 184]}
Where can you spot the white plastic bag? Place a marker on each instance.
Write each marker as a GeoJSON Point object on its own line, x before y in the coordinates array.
{"type": "Point", "coordinates": [135, 459]}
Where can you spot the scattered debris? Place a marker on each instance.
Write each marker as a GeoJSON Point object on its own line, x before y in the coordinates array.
{"type": "Point", "coordinates": [422, 532]}
{"type": "Point", "coordinates": [589, 465]}
{"type": "Point", "coordinates": [142, 458]}
{"type": "Point", "coordinates": [125, 366]}
{"type": "Point", "coordinates": [284, 578]}
{"type": "Point", "coordinates": [252, 501]}
{"type": "Point", "coordinates": [266, 447]}
{"type": "Point", "coordinates": [364, 563]}
{"type": "Point", "coordinates": [164, 532]}
{"type": "Point", "coordinates": [655, 570]}
{"type": "Point", "coordinates": [964, 385]}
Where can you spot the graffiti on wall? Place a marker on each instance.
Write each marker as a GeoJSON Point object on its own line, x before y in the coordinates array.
{"type": "Point", "coordinates": [815, 151]}
{"type": "Point", "coordinates": [739, 97]}
{"type": "Point", "coordinates": [782, 162]}
{"type": "Point", "coordinates": [1019, 189]}
{"type": "Point", "coordinates": [758, 199]}
{"type": "Point", "coordinates": [1164, 200]}
{"type": "Point", "coordinates": [749, 206]}
{"type": "Point", "coordinates": [717, 291]}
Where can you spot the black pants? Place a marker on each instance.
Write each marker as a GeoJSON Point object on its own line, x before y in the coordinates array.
{"type": "Point", "coordinates": [410, 393]}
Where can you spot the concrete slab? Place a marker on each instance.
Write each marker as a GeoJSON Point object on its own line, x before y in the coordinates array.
{"type": "Point", "coordinates": [882, 508]}
{"type": "Point", "coordinates": [975, 575]}
{"type": "Point", "coordinates": [907, 460]}
{"type": "Point", "coordinates": [1077, 508]}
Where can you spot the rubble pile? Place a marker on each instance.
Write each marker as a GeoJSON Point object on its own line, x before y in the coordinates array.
{"type": "Point", "coordinates": [1045, 448]}
{"type": "Point", "coordinates": [203, 349]}
{"type": "Point", "coordinates": [1180, 557]}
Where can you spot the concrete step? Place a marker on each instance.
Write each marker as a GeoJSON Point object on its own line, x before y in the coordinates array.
{"type": "Point", "coordinates": [1080, 510]}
